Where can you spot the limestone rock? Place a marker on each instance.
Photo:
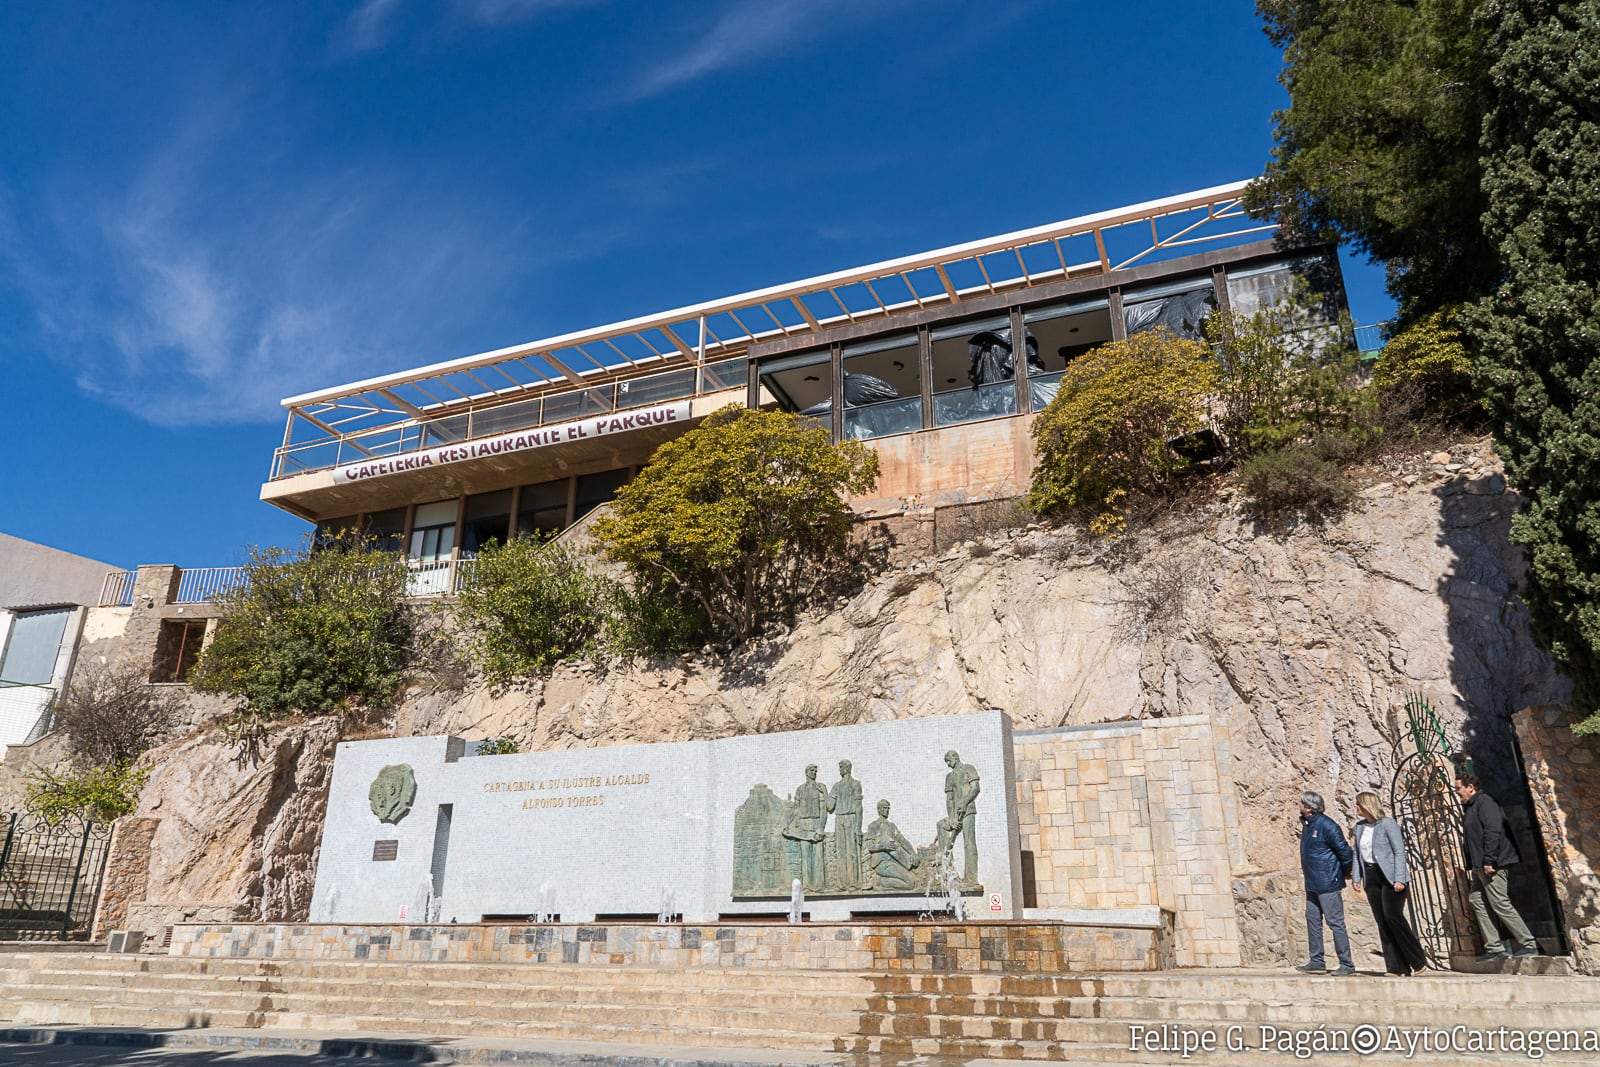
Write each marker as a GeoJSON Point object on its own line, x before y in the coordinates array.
{"type": "Point", "coordinates": [238, 835]}
{"type": "Point", "coordinates": [1303, 644]}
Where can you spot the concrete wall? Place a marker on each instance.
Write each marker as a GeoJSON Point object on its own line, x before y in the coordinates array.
{"type": "Point", "coordinates": [36, 575]}
{"type": "Point", "coordinates": [974, 459]}
{"type": "Point", "coordinates": [609, 829]}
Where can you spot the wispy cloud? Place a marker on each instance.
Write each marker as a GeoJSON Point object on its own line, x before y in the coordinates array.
{"type": "Point", "coordinates": [369, 26]}
{"type": "Point", "coordinates": [744, 32]}
{"type": "Point", "coordinates": [207, 290]}
{"type": "Point", "coordinates": [499, 12]}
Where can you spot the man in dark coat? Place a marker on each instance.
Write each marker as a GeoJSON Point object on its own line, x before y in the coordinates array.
{"type": "Point", "coordinates": [1490, 850]}
{"type": "Point", "coordinates": [1325, 861]}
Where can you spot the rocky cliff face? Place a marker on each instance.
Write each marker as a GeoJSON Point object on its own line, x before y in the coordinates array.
{"type": "Point", "coordinates": [1303, 642]}
{"type": "Point", "coordinates": [238, 838]}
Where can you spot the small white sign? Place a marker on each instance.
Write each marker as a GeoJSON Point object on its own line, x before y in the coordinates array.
{"type": "Point", "coordinates": [405, 910]}
{"type": "Point", "coordinates": [994, 902]}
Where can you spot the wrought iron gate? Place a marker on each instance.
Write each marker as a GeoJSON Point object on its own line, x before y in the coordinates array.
{"type": "Point", "coordinates": [50, 876]}
{"type": "Point", "coordinates": [1424, 802]}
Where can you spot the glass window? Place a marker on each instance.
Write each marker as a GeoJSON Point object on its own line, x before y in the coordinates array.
{"type": "Point", "coordinates": [578, 403]}
{"type": "Point", "coordinates": [1314, 322]}
{"type": "Point", "coordinates": [387, 529]}
{"type": "Point", "coordinates": [488, 519]}
{"type": "Point", "coordinates": [974, 371]}
{"type": "Point", "coordinates": [1254, 289]}
{"type": "Point", "coordinates": [32, 648]}
{"type": "Point", "coordinates": [725, 374]}
{"type": "Point", "coordinates": [1179, 307]}
{"type": "Point", "coordinates": [656, 388]}
{"type": "Point", "coordinates": [1063, 333]}
{"type": "Point", "coordinates": [801, 383]}
{"type": "Point", "coordinates": [595, 489]}
{"type": "Point", "coordinates": [433, 531]}
{"type": "Point", "coordinates": [543, 508]}
{"type": "Point", "coordinates": [332, 532]}
{"type": "Point", "coordinates": [882, 387]}
{"type": "Point", "coordinates": [505, 418]}
{"type": "Point", "coordinates": [444, 431]}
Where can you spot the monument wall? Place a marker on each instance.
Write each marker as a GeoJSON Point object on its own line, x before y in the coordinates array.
{"type": "Point", "coordinates": [420, 830]}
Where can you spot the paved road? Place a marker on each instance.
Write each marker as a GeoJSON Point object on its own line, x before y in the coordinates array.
{"type": "Point", "coordinates": [12, 1055]}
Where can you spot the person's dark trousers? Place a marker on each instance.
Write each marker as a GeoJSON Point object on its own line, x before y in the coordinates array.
{"type": "Point", "coordinates": [1327, 907]}
{"type": "Point", "coordinates": [1402, 952]}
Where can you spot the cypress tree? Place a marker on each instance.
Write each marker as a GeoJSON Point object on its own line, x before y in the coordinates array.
{"type": "Point", "coordinates": [1538, 334]}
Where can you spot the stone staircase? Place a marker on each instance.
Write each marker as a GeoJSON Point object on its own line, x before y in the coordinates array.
{"type": "Point", "coordinates": [898, 1015]}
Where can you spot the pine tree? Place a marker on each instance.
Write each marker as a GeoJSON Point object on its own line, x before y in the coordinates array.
{"type": "Point", "coordinates": [1379, 143]}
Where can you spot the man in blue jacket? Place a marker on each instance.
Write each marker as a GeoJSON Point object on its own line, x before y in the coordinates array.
{"type": "Point", "coordinates": [1325, 861]}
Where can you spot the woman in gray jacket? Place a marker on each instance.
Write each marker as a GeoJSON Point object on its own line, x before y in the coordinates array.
{"type": "Point", "coordinates": [1380, 867]}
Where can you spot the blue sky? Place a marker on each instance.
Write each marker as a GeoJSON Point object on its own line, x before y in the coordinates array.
{"type": "Point", "coordinates": [207, 207]}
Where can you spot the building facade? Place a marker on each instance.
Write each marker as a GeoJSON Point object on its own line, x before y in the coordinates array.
{"type": "Point", "coordinates": [913, 355]}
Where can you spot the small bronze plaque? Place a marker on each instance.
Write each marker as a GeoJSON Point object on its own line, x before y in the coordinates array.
{"type": "Point", "coordinates": [385, 850]}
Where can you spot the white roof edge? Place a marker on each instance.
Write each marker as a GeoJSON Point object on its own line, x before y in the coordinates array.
{"type": "Point", "coordinates": [1113, 216]}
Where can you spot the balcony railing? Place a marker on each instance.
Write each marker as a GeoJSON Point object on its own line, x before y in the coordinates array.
{"type": "Point", "coordinates": [1371, 339]}
{"type": "Point", "coordinates": [205, 585]}
{"type": "Point", "coordinates": [117, 590]}
{"type": "Point", "coordinates": [443, 577]}
{"type": "Point", "coordinates": [558, 406]}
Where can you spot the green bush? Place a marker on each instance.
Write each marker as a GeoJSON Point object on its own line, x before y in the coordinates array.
{"type": "Point", "coordinates": [740, 521]}
{"type": "Point", "coordinates": [1283, 376]}
{"type": "Point", "coordinates": [529, 604]}
{"type": "Point", "coordinates": [311, 631]}
{"type": "Point", "coordinates": [1296, 482]}
{"type": "Point", "coordinates": [1105, 435]}
{"type": "Point", "coordinates": [1427, 369]}
{"type": "Point", "coordinates": [648, 622]}
{"type": "Point", "coordinates": [100, 793]}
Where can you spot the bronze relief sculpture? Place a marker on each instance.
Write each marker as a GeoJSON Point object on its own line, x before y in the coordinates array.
{"type": "Point", "coordinates": [393, 792]}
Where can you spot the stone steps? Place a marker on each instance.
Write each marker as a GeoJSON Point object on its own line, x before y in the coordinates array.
{"type": "Point", "coordinates": [1371, 998]}
{"type": "Point", "coordinates": [897, 1014]}
{"type": "Point", "coordinates": [509, 982]}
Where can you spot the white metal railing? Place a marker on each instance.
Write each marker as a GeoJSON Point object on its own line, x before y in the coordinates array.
{"type": "Point", "coordinates": [203, 585]}
{"type": "Point", "coordinates": [391, 414]}
{"type": "Point", "coordinates": [117, 590]}
{"type": "Point", "coordinates": [206, 585]}
{"type": "Point", "coordinates": [437, 577]}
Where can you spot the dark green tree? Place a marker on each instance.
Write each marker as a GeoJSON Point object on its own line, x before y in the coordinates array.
{"type": "Point", "coordinates": [742, 519]}
{"type": "Point", "coordinates": [309, 631]}
{"type": "Point", "coordinates": [530, 604]}
{"type": "Point", "coordinates": [1538, 335]}
{"type": "Point", "coordinates": [1379, 142]}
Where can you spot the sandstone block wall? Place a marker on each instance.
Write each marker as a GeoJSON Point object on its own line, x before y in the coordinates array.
{"type": "Point", "coordinates": [1132, 815]}
{"type": "Point", "coordinates": [127, 873]}
{"type": "Point", "coordinates": [1564, 778]}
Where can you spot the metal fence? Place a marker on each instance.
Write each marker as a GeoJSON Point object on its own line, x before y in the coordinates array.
{"type": "Point", "coordinates": [117, 590]}
{"type": "Point", "coordinates": [1371, 339]}
{"type": "Point", "coordinates": [50, 875]}
{"type": "Point", "coordinates": [202, 585]}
